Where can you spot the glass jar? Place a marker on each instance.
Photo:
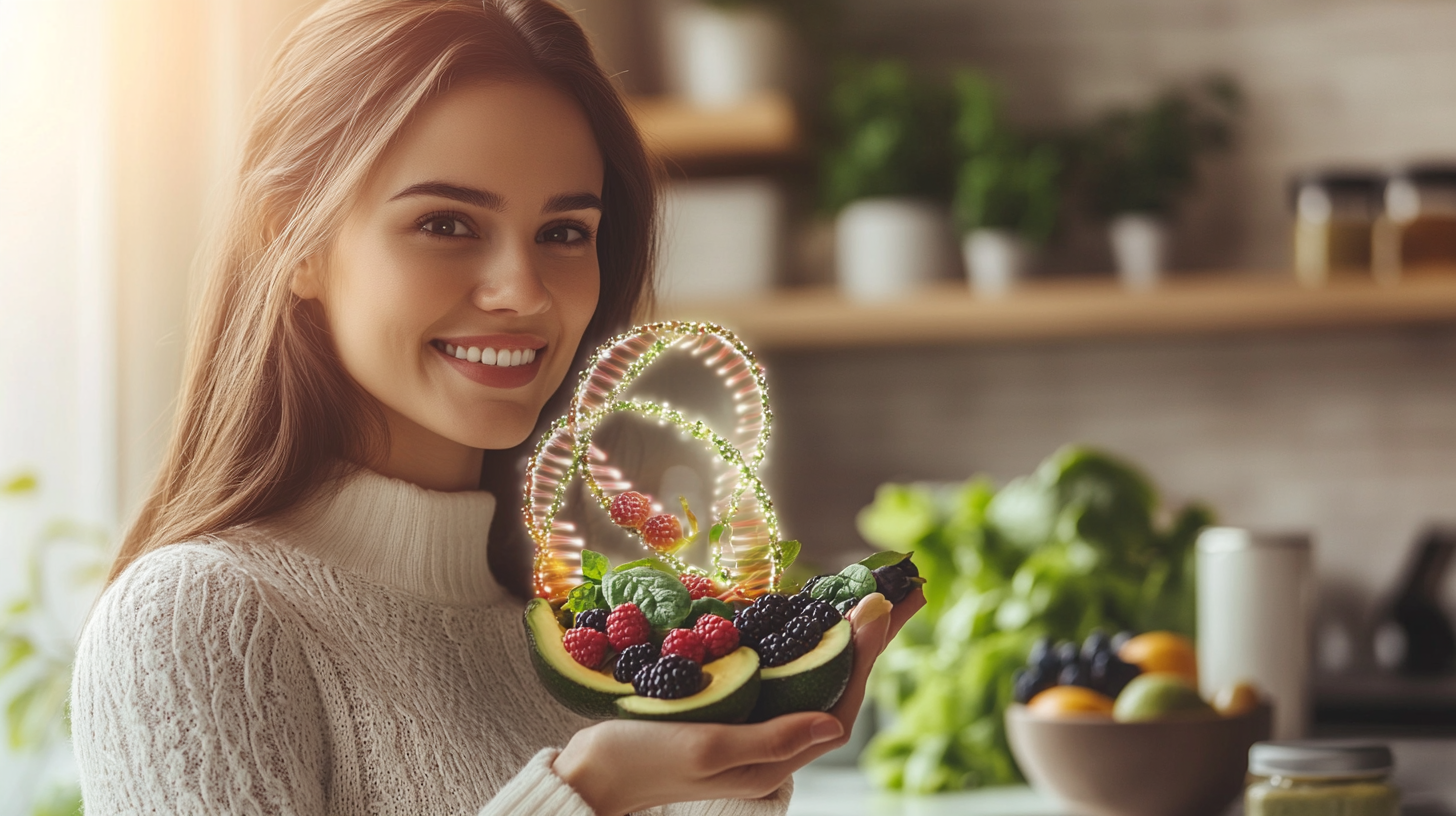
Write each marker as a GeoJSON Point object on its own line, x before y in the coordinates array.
{"type": "Point", "coordinates": [1418, 229]}
{"type": "Point", "coordinates": [1314, 779]}
{"type": "Point", "coordinates": [1334, 213]}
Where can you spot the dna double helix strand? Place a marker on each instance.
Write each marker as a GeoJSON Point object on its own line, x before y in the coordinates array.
{"type": "Point", "coordinates": [746, 553]}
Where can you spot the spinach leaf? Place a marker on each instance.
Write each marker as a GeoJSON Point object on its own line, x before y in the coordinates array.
{"type": "Point", "coordinates": [584, 597]}
{"type": "Point", "coordinates": [593, 565]}
{"type": "Point", "coordinates": [660, 596]}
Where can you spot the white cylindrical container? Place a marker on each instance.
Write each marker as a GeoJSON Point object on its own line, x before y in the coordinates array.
{"type": "Point", "coordinates": [996, 260]}
{"type": "Point", "coordinates": [719, 57]}
{"type": "Point", "coordinates": [1140, 247]}
{"type": "Point", "coordinates": [889, 247]}
{"type": "Point", "coordinates": [1255, 598]}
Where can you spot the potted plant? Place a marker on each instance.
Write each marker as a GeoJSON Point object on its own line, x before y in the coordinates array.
{"type": "Point", "coordinates": [883, 175]}
{"type": "Point", "coordinates": [721, 52]}
{"type": "Point", "coordinates": [1007, 190]}
{"type": "Point", "coordinates": [1140, 162]}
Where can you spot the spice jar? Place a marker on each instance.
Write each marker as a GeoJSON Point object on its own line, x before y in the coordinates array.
{"type": "Point", "coordinates": [1418, 229]}
{"type": "Point", "coordinates": [1334, 212]}
{"type": "Point", "coordinates": [1314, 779]}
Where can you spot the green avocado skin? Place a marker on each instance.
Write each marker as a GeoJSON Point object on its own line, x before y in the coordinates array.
{"type": "Point", "coordinates": [814, 690]}
{"type": "Point", "coordinates": [581, 700]}
{"type": "Point", "coordinates": [732, 709]}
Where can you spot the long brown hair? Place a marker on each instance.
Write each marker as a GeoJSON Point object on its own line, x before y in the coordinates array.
{"type": "Point", "coordinates": [267, 414]}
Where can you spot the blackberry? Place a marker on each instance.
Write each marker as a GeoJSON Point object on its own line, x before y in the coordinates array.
{"type": "Point", "coordinates": [671, 678]}
{"type": "Point", "coordinates": [777, 648]}
{"type": "Point", "coordinates": [798, 603]}
{"type": "Point", "coordinates": [822, 612]}
{"type": "Point", "coordinates": [592, 619]}
{"type": "Point", "coordinates": [806, 629]}
{"type": "Point", "coordinates": [767, 614]}
{"type": "Point", "coordinates": [632, 660]}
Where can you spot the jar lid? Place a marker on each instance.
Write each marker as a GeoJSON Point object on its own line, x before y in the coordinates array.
{"type": "Point", "coordinates": [1430, 174]}
{"type": "Point", "coordinates": [1314, 759]}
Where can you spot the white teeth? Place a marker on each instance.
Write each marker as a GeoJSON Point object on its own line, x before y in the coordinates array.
{"type": "Point", "coordinates": [504, 358]}
{"type": "Point", "coordinates": [449, 349]}
{"type": "Point", "coordinates": [529, 356]}
{"type": "Point", "coordinates": [516, 357]}
{"type": "Point", "coordinates": [460, 352]}
{"type": "Point", "coordinates": [473, 355]}
{"type": "Point", "coordinates": [488, 356]}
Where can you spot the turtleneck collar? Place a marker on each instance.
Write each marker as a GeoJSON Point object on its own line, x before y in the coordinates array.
{"type": "Point", "coordinates": [424, 542]}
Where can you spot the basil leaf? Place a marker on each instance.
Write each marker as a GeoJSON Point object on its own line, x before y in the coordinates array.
{"type": "Point", "coordinates": [789, 551]}
{"type": "Point", "coordinates": [593, 565]}
{"type": "Point", "coordinates": [888, 558]}
{"type": "Point", "coordinates": [707, 606]}
{"type": "Point", "coordinates": [584, 597]}
{"type": "Point", "coordinates": [660, 596]}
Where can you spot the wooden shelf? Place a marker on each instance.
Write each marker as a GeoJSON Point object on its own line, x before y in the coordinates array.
{"type": "Point", "coordinates": [763, 127]}
{"type": "Point", "coordinates": [823, 319]}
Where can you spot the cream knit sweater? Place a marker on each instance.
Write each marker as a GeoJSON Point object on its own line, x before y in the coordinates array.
{"type": "Point", "coordinates": [354, 657]}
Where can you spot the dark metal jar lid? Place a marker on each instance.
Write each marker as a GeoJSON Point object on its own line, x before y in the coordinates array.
{"type": "Point", "coordinates": [1319, 760]}
{"type": "Point", "coordinates": [1340, 182]}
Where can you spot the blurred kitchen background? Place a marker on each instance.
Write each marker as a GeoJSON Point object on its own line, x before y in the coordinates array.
{"type": "Point", "coordinates": [1274, 336]}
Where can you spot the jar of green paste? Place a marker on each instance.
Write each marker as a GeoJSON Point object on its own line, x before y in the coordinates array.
{"type": "Point", "coordinates": [1314, 779]}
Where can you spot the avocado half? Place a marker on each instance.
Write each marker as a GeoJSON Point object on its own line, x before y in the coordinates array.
{"type": "Point", "coordinates": [813, 682]}
{"type": "Point", "coordinates": [587, 692]}
{"type": "Point", "coordinates": [728, 696]}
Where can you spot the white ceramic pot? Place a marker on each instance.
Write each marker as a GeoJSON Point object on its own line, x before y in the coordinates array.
{"type": "Point", "coordinates": [719, 57]}
{"type": "Point", "coordinates": [722, 238]}
{"type": "Point", "coordinates": [1140, 247]}
{"type": "Point", "coordinates": [889, 247]}
{"type": "Point", "coordinates": [996, 260]}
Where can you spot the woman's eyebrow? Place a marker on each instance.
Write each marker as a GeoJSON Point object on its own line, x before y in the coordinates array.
{"type": "Point", "coordinates": [466, 195]}
{"type": "Point", "coordinates": [567, 202]}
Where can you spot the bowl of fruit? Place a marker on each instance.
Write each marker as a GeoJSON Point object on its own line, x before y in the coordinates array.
{"type": "Point", "coordinates": [1117, 727]}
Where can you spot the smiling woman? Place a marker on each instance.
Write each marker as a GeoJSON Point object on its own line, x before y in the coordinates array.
{"type": "Point", "coordinates": [442, 207]}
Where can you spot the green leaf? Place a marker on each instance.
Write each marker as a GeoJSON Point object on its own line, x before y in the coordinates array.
{"type": "Point", "coordinates": [715, 533]}
{"type": "Point", "coordinates": [660, 596]}
{"type": "Point", "coordinates": [707, 606]}
{"type": "Point", "coordinates": [788, 553]}
{"type": "Point", "coordinates": [20, 484]}
{"type": "Point", "coordinates": [584, 597]}
{"type": "Point", "coordinates": [16, 650]}
{"type": "Point", "coordinates": [651, 563]}
{"type": "Point", "coordinates": [594, 565]}
{"type": "Point", "coordinates": [884, 559]}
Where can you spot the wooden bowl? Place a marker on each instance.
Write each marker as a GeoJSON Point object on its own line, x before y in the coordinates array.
{"type": "Point", "coordinates": [1099, 767]}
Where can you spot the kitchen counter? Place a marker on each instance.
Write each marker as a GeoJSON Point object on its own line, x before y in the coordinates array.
{"type": "Point", "coordinates": [1425, 772]}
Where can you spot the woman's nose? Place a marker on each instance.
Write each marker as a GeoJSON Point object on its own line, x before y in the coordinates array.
{"type": "Point", "coordinates": [511, 284]}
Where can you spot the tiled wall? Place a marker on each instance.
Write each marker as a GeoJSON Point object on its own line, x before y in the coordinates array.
{"type": "Point", "coordinates": [1369, 81]}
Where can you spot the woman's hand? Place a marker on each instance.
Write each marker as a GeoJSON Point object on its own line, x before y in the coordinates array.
{"type": "Point", "coordinates": [623, 765]}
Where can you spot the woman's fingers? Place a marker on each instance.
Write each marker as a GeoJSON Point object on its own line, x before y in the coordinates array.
{"type": "Point", "coordinates": [776, 740]}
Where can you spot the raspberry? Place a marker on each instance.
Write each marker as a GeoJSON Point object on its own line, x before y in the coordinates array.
{"type": "Point", "coordinates": [699, 586]}
{"type": "Point", "coordinates": [685, 642]}
{"type": "Point", "coordinates": [592, 619]}
{"type": "Point", "coordinates": [632, 660]}
{"type": "Point", "coordinates": [719, 635]}
{"type": "Point", "coordinates": [627, 626]}
{"type": "Point", "coordinates": [672, 677]}
{"type": "Point", "coordinates": [630, 509]}
{"type": "Point", "coordinates": [662, 531]}
{"type": "Point", "coordinates": [587, 646]}
{"type": "Point", "coordinates": [777, 648]}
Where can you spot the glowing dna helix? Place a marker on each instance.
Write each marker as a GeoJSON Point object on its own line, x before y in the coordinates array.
{"type": "Point", "coordinates": [746, 553]}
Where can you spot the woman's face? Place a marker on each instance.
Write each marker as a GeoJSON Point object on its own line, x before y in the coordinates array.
{"type": "Point", "coordinates": [466, 272]}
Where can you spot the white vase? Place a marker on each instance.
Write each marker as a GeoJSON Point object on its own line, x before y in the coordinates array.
{"type": "Point", "coordinates": [1140, 247]}
{"type": "Point", "coordinates": [996, 260]}
{"type": "Point", "coordinates": [719, 57]}
{"type": "Point", "coordinates": [889, 247]}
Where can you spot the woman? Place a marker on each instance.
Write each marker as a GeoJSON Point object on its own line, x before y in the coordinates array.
{"type": "Point", "coordinates": [442, 207]}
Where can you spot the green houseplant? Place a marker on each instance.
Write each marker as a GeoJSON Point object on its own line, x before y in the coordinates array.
{"type": "Point", "coordinates": [1008, 187]}
{"type": "Point", "coordinates": [884, 174]}
{"type": "Point", "coordinates": [1140, 162]}
{"type": "Point", "coordinates": [1074, 546]}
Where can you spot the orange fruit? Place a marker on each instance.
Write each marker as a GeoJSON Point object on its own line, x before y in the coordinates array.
{"type": "Point", "coordinates": [1064, 701]}
{"type": "Point", "coordinates": [1240, 698]}
{"type": "Point", "coordinates": [1167, 652]}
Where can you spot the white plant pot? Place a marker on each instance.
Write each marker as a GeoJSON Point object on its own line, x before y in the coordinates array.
{"type": "Point", "coordinates": [889, 247]}
{"type": "Point", "coordinates": [722, 238]}
{"type": "Point", "coordinates": [719, 57]}
{"type": "Point", "coordinates": [1140, 247]}
{"type": "Point", "coordinates": [996, 260]}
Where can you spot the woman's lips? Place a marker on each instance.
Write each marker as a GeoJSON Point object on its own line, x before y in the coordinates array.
{"type": "Point", "coordinates": [491, 373]}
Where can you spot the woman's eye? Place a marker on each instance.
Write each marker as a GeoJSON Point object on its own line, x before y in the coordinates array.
{"type": "Point", "coordinates": [447, 226]}
{"type": "Point", "coordinates": [562, 234]}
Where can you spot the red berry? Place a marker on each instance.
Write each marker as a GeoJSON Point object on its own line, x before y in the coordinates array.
{"type": "Point", "coordinates": [662, 531]}
{"type": "Point", "coordinates": [630, 509]}
{"type": "Point", "coordinates": [587, 646]}
{"type": "Point", "coordinates": [687, 643]}
{"type": "Point", "coordinates": [720, 636]}
{"type": "Point", "coordinates": [699, 586]}
{"type": "Point", "coordinates": [627, 626]}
